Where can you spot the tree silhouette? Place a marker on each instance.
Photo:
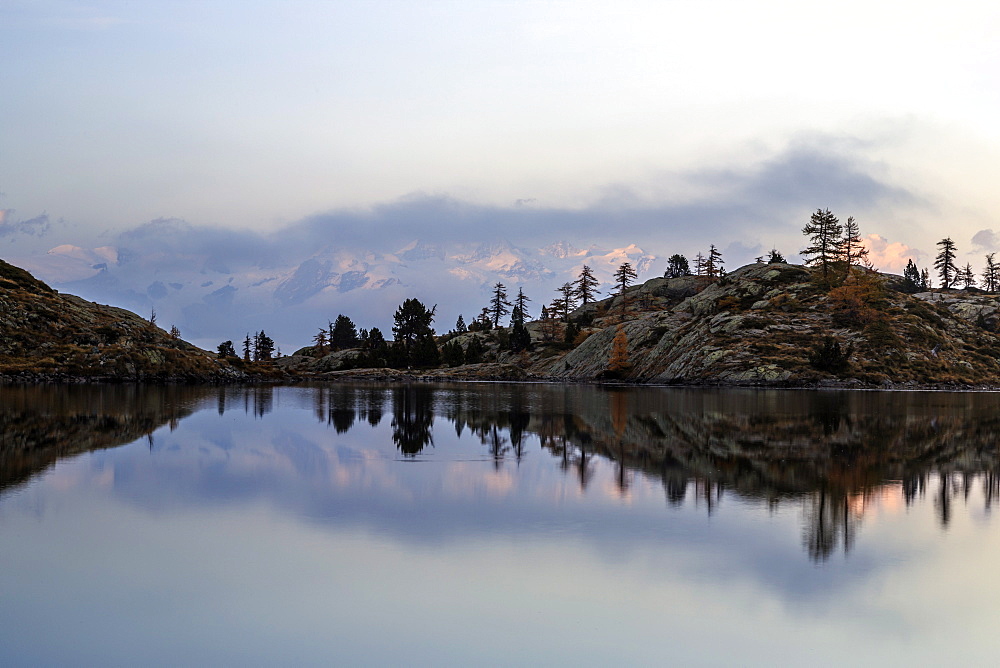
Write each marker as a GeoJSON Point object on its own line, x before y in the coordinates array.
{"type": "Point", "coordinates": [825, 234]}
{"type": "Point", "coordinates": [945, 262]}
{"type": "Point", "coordinates": [677, 266]}
{"type": "Point", "coordinates": [586, 285]}
{"type": "Point", "coordinates": [499, 304]}
{"type": "Point", "coordinates": [911, 278]}
{"type": "Point", "coordinates": [226, 349]}
{"type": "Point", "coordinates": [624, 276]}
{"type": "Point", "coordinates": [775, 257]}
{"type": "Point", "coordinates": [343, 334]}
{"type": "Point", "coordinates": [713, 263]}
{"type": "Point", "coordinates": [991, 274]}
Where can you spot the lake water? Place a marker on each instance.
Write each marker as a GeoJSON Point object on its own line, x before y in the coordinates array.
{"type": "Point", "coordinates": [496, 524]}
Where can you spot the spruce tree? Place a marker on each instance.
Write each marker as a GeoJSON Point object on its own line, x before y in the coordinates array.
{"type": "Point", "coordinates": [945, 262]}
{"type": "Point", "coordinates": [343, 334]}
{"type": "Point", "coordinates": [774, 257]}
{"type": "Point", "coordinates": [460, 324]}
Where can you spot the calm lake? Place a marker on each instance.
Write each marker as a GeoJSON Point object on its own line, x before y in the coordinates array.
{"type": "Point", "coordinates": [497, 524]}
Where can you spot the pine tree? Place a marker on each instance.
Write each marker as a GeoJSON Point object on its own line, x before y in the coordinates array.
{"type": "Point", "coordinates": [460, 324]}
{"type": "Point", "coordinates": [624, 277]}
{"type": "Point", "coordinates": [825, 232]}
{"type": "Point", "coordinates": [474, 351]}
{"type": "Point", "coordinates": [911, 278]}
{"type": "Point", "coordinates": [246, 348]}
{"type": "Point", "coordinates": [499, 305]}
{"type": "Point", "coordinates": [991, 275]}
{"type": "Point", "coordinates": [453, 354]}
{"type": "Point", "coordinates": [414, 335]}
{"type": "Point", "coordinates": [263, 347]}
{"type": "Point", "coordinates": [175, 333]}
{"type": "Point", "coordinates": [945, 262]}
{"type": "Point", "coordinates": [774, 257]}
{"type": "Point", "coordinates": [925, 280]}
{"type": "Point", "coordinates": [586, 285]}
{"type": "Point", "coordinates": [343, 334]}
{"type": "Point", "coordinates": [226, 349]}
{"type": "Point", "coordinates": [677, 266]}
{"type": "Point", "coordinates": [545, 313]}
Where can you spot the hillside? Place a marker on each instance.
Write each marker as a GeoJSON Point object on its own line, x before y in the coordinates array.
{"type": "Point", "coordinates": [45, 335]}
{"type": "Point", "coordinates": [762, 324]}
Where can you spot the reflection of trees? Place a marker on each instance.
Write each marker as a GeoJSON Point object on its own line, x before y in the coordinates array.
{"type": "Point", "coordinates": [412, 415]}
{"type": "Point", "coordinates": [829, 452]}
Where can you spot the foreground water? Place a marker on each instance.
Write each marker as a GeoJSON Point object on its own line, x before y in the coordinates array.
{"type": "Point", "coordinates": [496, 524]}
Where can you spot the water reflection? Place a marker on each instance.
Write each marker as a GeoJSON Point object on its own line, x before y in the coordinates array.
{"type": "Point", "coordinates": [835, 455]}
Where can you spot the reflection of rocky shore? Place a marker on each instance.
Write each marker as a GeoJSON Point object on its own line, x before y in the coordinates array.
{"type": "Point", "coordinates": [40, 424]}
{"type": "Point", "coordinates": [832, 454]}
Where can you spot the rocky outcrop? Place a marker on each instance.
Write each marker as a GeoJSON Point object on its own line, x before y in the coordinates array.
{"type": "Point", "coordinates": [45, 335]}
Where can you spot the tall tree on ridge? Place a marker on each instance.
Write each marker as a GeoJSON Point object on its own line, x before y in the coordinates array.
{"type": "Point", "coordinates": [499, 304]}
{"type": "Point", "coordinates": [945, 262]}
{"type": "Point", "coordinates": [825, 233]}
{"type": "Point", "coordinates": [586, 285]}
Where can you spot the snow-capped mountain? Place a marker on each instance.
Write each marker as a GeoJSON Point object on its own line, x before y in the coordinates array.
{"type": "Point", "coordinates": [212, 297]}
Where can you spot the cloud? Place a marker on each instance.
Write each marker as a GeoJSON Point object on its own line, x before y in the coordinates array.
{"type": "Point", "coordinates": [889, 256]}
{"type": "Point", "coordinates": [35, 227]}
{"type": "Point", "coordinates": [985, 240]}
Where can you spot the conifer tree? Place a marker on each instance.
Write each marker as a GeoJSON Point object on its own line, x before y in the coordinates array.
{"type": "Point", "coordinates": [699, 264]}
{"type": "Point", "coordinates": [499, 304]}
{"type": "Point", "coordinates": [567, 302]}
{"type": "Point", "coordinates": [460, 324]}
{"type": "Point", "coordinates": [968, 278]}
{"type": "Point", "coordinates": [320, 340]}
{"type": "Point", "coordinates": [677, 266]}
{"type": "Point", "coordinates": [825, 233]}
{"type": "Point", "coordinates": [586, 285]}
{"type": "Point", "coordinates": [925, 280]}
{"type": "Point", "coordinates": [343, 334]}
{"type": "Point", "coordinates": [246, 348]}
{"type": "Point", "coordinates": [618, 361]}
{"type": "Point", "coordinates": [991, 274]}
{"type": "Point", "coordinates": [774, 257]}
{"type": "Point", "coordinates": [414, 335]}
{"type": "Point", "coordinates": [226, 349]}
{"type": "Point", "coordinates": [852, 248]}
{"type": "Point", "coordinates": [713, 263]}
{"type": "Point", "coordinates": [945, 262]}
{"type": "Point", "coordinates": [521, 303]}
{"type": "Point", "coordinates": [624, 277]}
{"type": "Point", "coordinates": [911, 278]}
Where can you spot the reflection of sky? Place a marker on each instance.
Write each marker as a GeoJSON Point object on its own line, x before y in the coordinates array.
{"type": "Point", "coordinates": [275, 539]}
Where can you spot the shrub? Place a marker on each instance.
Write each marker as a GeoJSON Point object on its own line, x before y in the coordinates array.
{"type": "Point", "coordinates": [830, 356]}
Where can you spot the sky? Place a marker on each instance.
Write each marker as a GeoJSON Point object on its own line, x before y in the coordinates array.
{"type": "Point", "coordinates": [667, 124]}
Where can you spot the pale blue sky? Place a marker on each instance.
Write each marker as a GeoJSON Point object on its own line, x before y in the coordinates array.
{"type": "Point", "coordinates": [259, 114]}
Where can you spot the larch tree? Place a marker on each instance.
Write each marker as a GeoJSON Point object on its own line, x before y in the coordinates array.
{"type": "Point", "coordinates": [499, 304]}
{"type": "Point", "coordinates": [618, 361]}
{"type": "Point", "coordinates": [586, 285]}
{"type": "Point", "coordinates": [945, 262]}
{"type": "Point", "coordinates": [991, 274]}
{"type": "Point", "coordinates": [825, 234]}
{"type": "Point", "coordinates": [624, 277]}
{"type": "Point", "coordinates": [853, 249]}
{"type": "Point", "coordinates": [713, 262]}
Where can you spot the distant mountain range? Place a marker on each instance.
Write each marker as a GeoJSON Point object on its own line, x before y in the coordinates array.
{"type": "Point", "coordinates": [211, 298]}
